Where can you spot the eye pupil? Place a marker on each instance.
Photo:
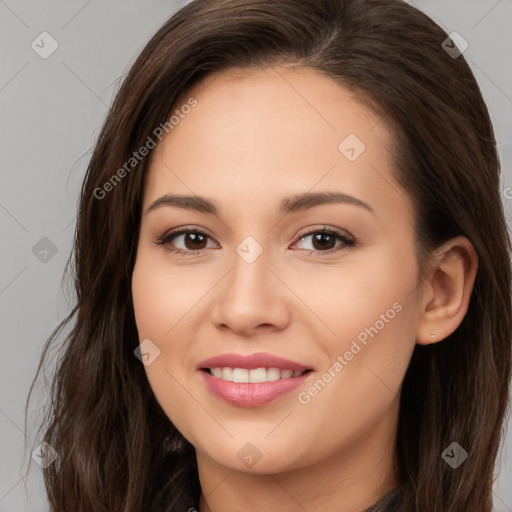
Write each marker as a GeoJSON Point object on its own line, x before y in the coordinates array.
{"type": "Point", "coordinates": [323, 239]}
{"type": "Point", "coordinates": [196, 238]}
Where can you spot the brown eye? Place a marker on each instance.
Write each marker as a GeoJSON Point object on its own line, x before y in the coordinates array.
{"type": "Point", "coordinates": [194, 241]}
{"type": "Point", "coordinates": [188, 241]}
{"type": "Point", "coordinates": [324, 240]}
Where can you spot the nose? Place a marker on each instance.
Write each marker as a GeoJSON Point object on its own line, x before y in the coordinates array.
{"type": "Point", "coordinates": [252, 297]}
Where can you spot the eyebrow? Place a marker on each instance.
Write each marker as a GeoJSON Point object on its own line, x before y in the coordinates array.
{"type": "Point", "coordinates": [290, 204]}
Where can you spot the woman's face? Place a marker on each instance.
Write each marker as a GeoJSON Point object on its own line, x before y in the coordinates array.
{"type": "Point", "coordinates": [269, 161]}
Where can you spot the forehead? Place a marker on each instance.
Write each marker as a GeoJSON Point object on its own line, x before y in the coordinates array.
{"type": "Point", "coordinates": [268, 133]}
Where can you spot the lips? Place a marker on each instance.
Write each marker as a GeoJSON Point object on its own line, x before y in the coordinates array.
{"type": "Point", "coordinates": [252, 394]}
{"type": "Point", "coordinates": [251, 361]}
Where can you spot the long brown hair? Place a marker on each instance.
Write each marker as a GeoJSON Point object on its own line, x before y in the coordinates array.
{"type": "Point", "coordinates": [117, 449]}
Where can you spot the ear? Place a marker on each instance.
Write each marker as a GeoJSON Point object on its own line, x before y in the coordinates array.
{"type": "Point", "coordinates": [447, 290]}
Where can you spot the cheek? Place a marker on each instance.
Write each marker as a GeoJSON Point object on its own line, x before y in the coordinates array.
{"type": "Point", "coordinates": [368, 298]}
{"type": "Point", "coordinates": [161, 297]}
{"type": "Point", "coordinates": [372, 317]}
{"type": "Point", "coordinates": [359, 387]}
{"type": "Point", "coordinates": [159, 309]}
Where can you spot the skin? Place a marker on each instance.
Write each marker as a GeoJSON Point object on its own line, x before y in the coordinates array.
{"type": "Point", "coordinates": [253, 139]}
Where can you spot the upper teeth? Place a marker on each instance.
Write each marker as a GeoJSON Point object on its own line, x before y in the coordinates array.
{"type": "Point", "coordinates": [254, 375]}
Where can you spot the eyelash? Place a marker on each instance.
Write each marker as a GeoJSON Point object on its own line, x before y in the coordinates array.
{"type": "Point", "coordinates": [167, 237]}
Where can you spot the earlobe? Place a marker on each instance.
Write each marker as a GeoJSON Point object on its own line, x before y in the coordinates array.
{"type": "Point", "coordinates": [449, 286]}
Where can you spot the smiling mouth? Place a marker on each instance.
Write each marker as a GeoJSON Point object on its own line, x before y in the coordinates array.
{"type": "Point", "coordinates": [255, 375]}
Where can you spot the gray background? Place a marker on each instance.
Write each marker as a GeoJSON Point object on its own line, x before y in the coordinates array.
{"type": "Point", "coordinates": [51, 110]}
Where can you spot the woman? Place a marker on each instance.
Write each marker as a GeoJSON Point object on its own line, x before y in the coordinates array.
{"type": "Point", "coordinates": [292, 273]}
